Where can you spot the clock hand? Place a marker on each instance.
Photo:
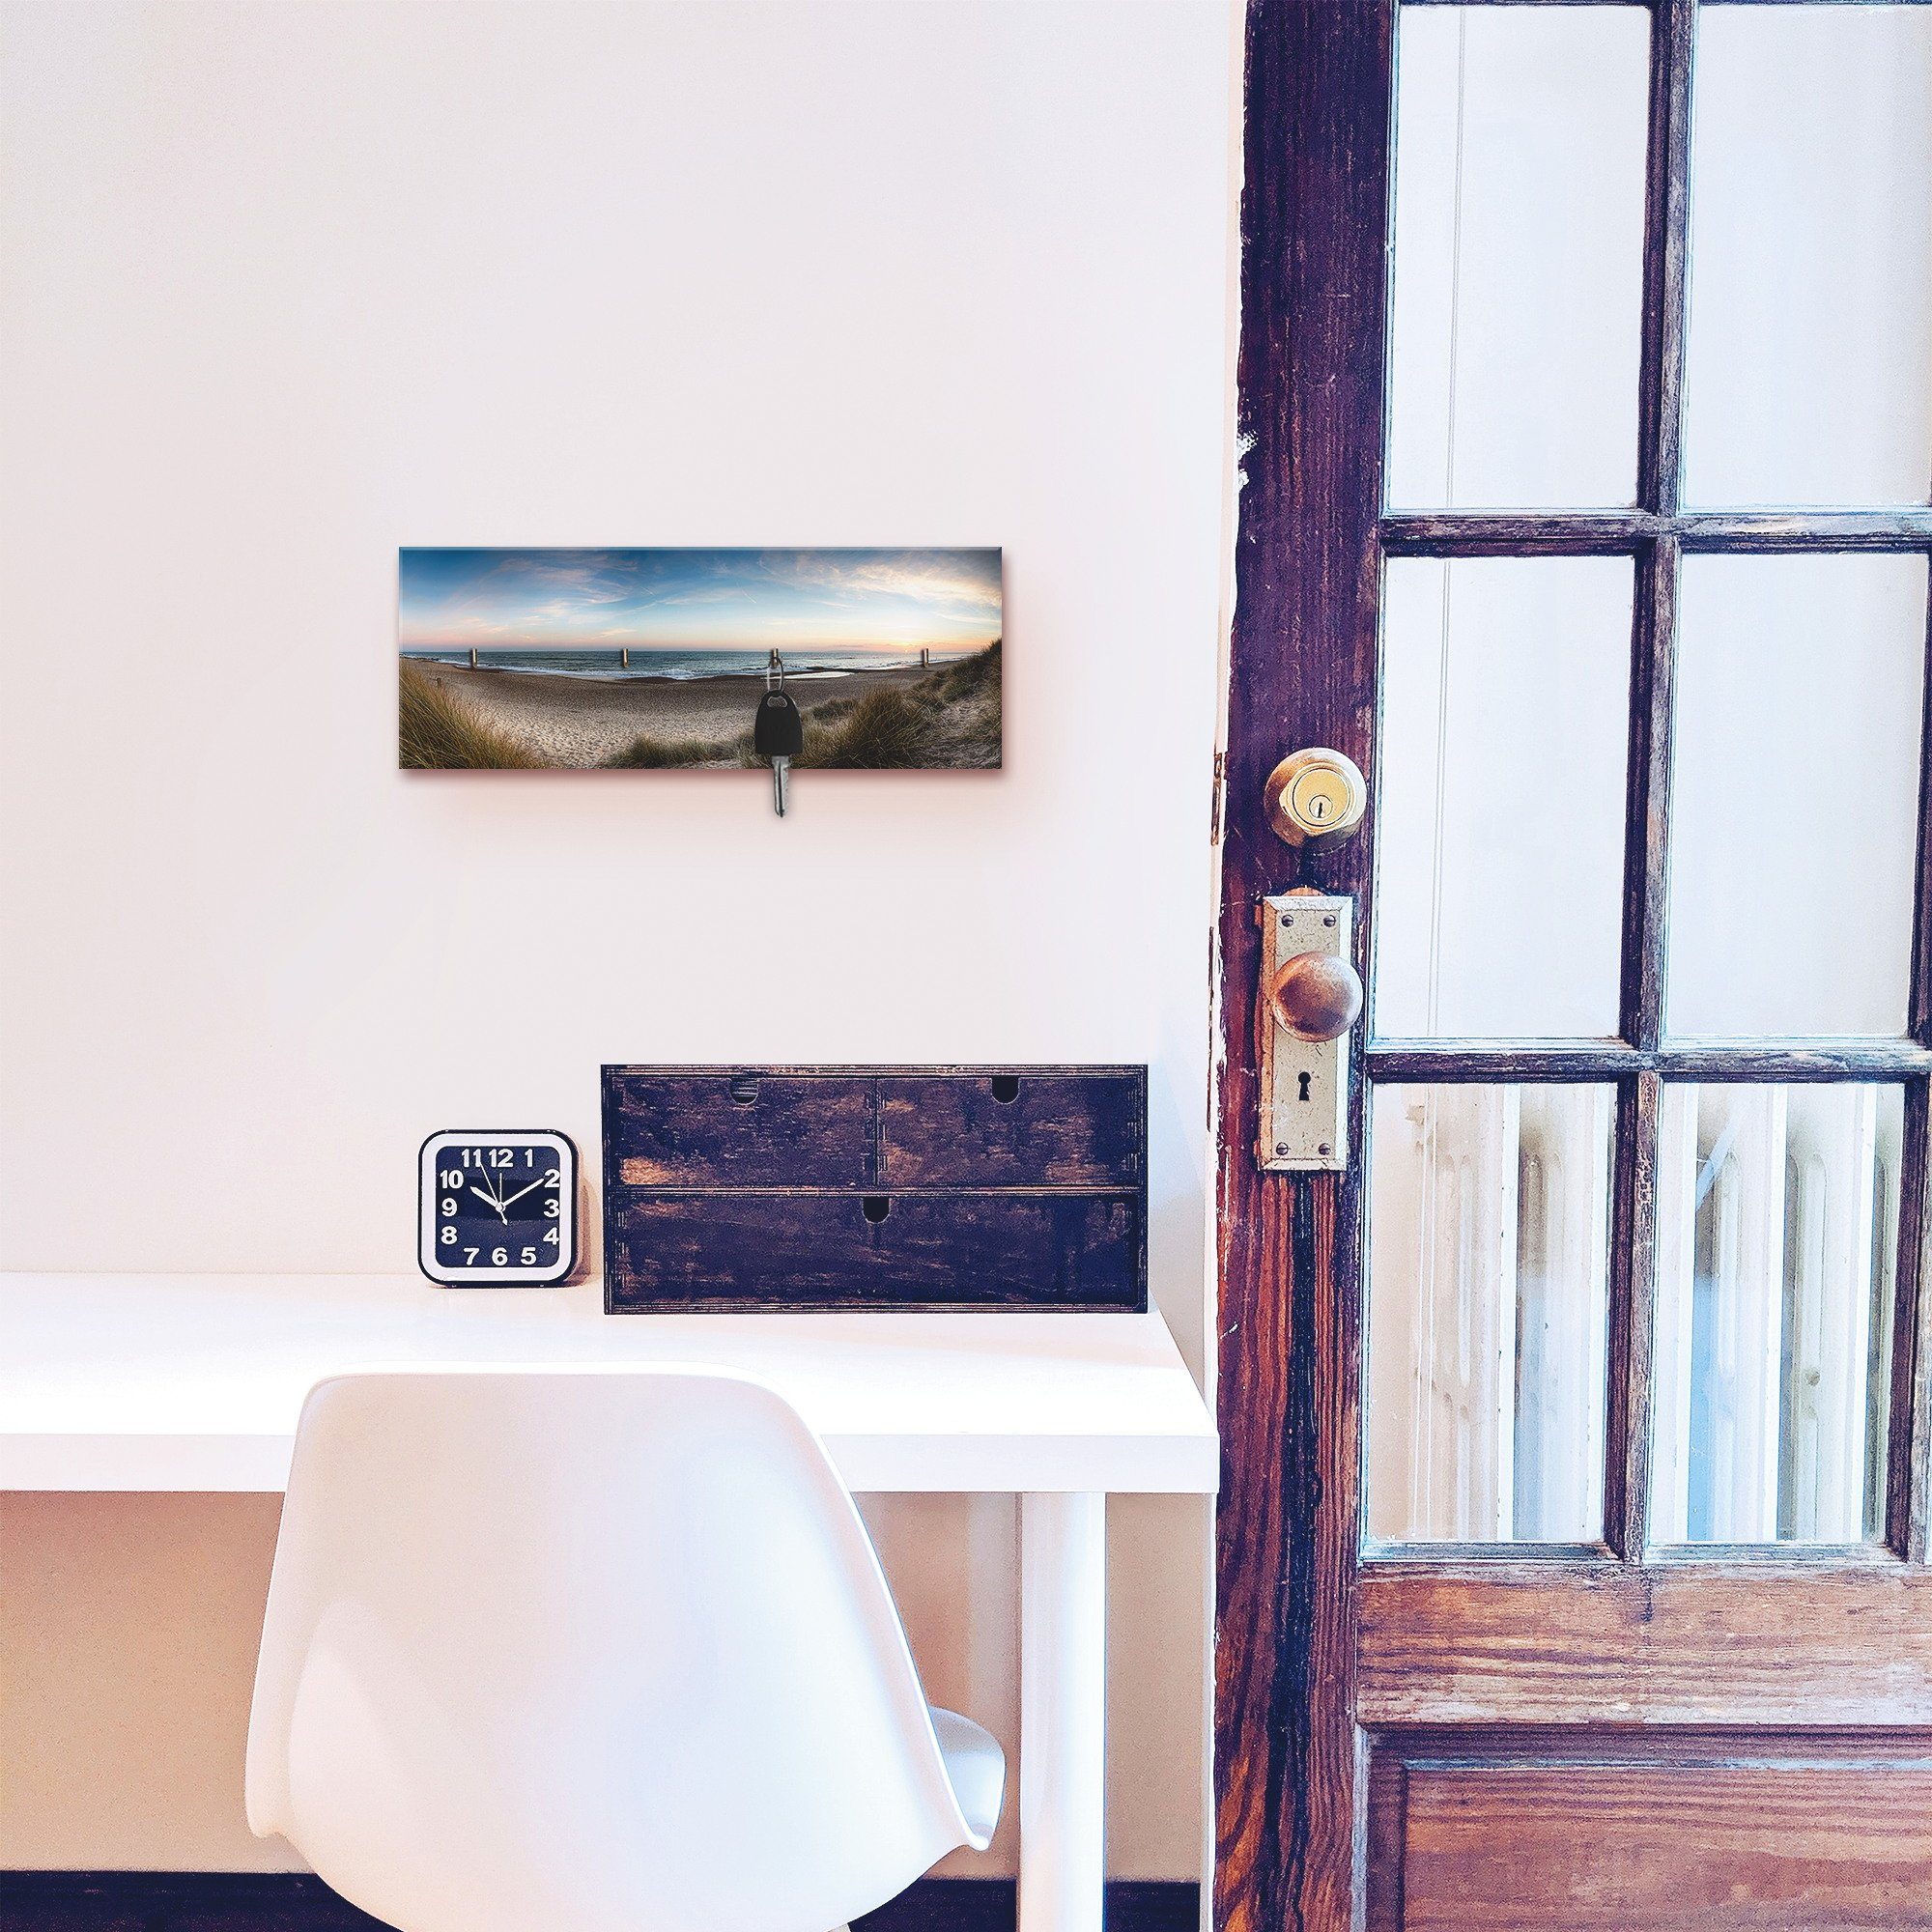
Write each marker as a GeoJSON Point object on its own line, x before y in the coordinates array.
{"type": "Point", "coordinates": [520, 1193]}
{"type": "Point", "coordinates": [489, 1201]}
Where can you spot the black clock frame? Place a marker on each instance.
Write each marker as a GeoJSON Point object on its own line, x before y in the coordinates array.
{"type": "Point", "coordinates": [548, 1275]}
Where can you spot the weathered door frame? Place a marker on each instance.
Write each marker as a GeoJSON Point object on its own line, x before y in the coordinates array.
{"type": "Point", "coordinates": [1310, 382]}
{"type": "Point", "coordinates": [1294, 1614]}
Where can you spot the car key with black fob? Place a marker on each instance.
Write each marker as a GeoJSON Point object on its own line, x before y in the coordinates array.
{"type": "Point", "coordinates": [777, 732]}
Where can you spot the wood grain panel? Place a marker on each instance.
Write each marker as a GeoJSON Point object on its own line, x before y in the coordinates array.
{"type": "Point", "coordinates": [1622, 533]}
{"type": "Point", "coordinates": [1315, 1657]}
{"type": "Point", "coordinates": [1287, 1765]}
{"type": "Point", "coordinates": [901, 1187]}
{"type": "Point", "coordinates": [1635, 1847]}
{"type": "Point", "coordinates": [742, 1251]}
{"type": "Point", "coordinates": [1784, 1062]}
{"type": "Point", "coordinates": [1005, 1130]}
{"type": "Point", "coordinates": [695, 1131]}
{"type": "Point", "coordinates": [1753, 1643]}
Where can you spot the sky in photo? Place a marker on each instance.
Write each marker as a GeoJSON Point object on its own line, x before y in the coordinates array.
{"type": "Point", "coordinates": [699, 599]}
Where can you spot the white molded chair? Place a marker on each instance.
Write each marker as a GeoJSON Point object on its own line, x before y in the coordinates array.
{"type": "Point", "coordinates": [602, 1651]}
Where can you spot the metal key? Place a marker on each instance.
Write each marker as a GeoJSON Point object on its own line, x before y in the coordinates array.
{"type": "Point", "coordinates": [777, 732]}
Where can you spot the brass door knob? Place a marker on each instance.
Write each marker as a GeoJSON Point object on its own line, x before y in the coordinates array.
{"type": "Point", "coordinates": [1315, 996]}
{"type": "Point", "coordinates": [1313, 796]}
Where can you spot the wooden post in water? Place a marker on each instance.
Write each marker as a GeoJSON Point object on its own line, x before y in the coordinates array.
{"type": "Point", "coordinates": [925, 658]}
{"type": "Point", "coordinates": [627, 657]}
{"type": "Point", "coordinates": [472, 657]}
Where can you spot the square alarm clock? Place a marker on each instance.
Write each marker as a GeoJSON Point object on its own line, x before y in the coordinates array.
{"type": "Point", "coordinates": [496, 1207]}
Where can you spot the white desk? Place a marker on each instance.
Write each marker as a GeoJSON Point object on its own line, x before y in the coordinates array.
{"type": "Point", "coordinates": [194, 1382]}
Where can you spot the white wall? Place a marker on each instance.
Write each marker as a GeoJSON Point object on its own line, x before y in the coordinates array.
{"type": "Point", "coordinates": [289, 286]}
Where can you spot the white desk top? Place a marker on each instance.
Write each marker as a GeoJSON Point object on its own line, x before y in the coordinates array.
{"type": "Point", "coordinates": [194, 1381]}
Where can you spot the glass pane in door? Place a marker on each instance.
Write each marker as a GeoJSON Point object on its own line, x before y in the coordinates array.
{"type": "Point", "coordinates": [1776, 1248]}
{"type": "Point", "coordinates": [1795, 795]}
{"type": "Point", "coordinates": [1519, 230]}
{"type": "Point", "coordinates": [1488, 1234]}
{"type": "Point", "coordinates": [1809, 378]}
{"type": "Point", "coordinates": [1500, 820]}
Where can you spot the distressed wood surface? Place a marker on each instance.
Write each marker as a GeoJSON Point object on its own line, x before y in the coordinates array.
{"type": "Point", "coordinates": [1623, 532]}
{"type": "Point", "coordinates": [1669, 1847]}
{"type": "Point", "coordinates": [1658, 561]}
{"type": "Point", "coordinates": [1627, 1394]}
{"type": "Point", "coordinates": [912, 1188]}
{"type": "Point", "coordinates": [1766, 1642]}
{"type": "Point", "coordinates": [689, 1130]}
{"type": "Point", "coordinates": [1311, 1648]}
{"type": "Point", "coordinates": [1785, 1061]}
{"type": "Point", "coordinates": [1302, 671]}
{"type": "Point", "coordinates": [1055, 1130]}
{"type": "Point", "coordinates": [749, 1250]}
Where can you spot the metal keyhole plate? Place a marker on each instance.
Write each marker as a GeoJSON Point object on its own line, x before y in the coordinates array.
{"type": "Point", "coordinates": [1305, 1083]}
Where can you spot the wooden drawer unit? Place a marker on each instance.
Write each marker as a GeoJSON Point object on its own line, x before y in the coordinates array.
{"type": "Point", "coordinates": [874, 1188]}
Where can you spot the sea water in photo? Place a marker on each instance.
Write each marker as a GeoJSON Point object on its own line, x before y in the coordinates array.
{"type": "Point", "coordinates": [680, 664]}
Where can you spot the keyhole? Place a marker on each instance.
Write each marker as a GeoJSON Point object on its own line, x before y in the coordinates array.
{"type": "Point", "coordinates": [1301, 1086]}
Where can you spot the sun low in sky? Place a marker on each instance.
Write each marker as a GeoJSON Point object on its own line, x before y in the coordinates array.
{"type": "Point", "coordinates": [885, 600]}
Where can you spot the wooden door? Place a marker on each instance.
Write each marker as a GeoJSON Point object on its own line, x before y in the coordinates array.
{"type": "Point", "coordinates": [1573, 1532]}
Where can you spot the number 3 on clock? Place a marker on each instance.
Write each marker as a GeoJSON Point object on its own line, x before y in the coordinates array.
{"type": "Point", "coordinates": [496, 1207]}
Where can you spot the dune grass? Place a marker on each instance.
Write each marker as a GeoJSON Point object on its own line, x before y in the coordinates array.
{"type": "Point", "coordinates": [437, 732]}
{"type": "Point", "coordinates": [883, 730]}
{"type": "Point", "coordinates": [951, 716]}
{"type": "Point", "coordinates": [975, 676]}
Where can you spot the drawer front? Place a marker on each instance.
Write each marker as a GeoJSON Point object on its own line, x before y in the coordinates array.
{"type": "Point", "coordinates": [1016, 1129]}
{"type": "Point", "coordinates": [736, 1129]}
{"type": "Point", "coordinates": [668, 1251]}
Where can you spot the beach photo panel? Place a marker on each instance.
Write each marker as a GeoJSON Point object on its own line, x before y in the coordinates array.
{"type": "Point", "coordinates": [627, 660]}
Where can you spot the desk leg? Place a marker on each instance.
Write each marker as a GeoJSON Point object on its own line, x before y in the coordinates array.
{"type": "Point", "coordinates": [1063, 1711]}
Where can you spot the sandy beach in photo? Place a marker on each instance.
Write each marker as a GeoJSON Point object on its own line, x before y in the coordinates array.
{"type": "Point", "coordinates": [578, 721]}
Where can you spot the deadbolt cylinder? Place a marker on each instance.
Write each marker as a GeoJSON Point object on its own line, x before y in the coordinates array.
{"type": "Point", "coordinates": [1313, 796]}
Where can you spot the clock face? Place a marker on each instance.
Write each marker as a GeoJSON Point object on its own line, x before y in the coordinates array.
{"type": "Point", "coordinates": [498, 1207]}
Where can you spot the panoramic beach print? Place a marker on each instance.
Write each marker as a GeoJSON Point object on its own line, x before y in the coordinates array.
{"type": "Point", "coordinates": [583, 660]}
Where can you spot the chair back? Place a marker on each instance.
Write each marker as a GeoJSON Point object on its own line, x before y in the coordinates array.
{"type": "Point", "coordinates": [599, 1649]}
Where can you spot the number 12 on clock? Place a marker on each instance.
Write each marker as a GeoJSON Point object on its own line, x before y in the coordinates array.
{"type": "Point", "coordinates": [496, 1207]}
